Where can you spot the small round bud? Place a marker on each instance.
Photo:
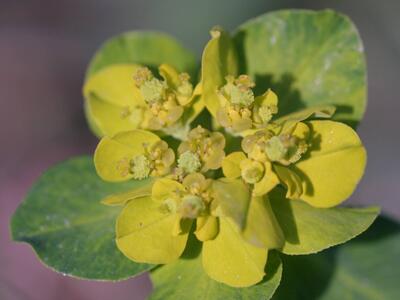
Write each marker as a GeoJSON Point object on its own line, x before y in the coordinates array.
{"type": "Point", "coordinates": [252, 171]}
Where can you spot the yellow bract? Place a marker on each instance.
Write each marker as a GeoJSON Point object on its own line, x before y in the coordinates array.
{"type": "Point", "coordinates": [218, 60]}
{"type": "Point", "coordinates": [144, 233]}
{"type": "Point", "coordinates": [267, 183]}
{"type": "Point", "coordinates": [231, 200]}
{"type": "Point", "coordinates": [231, 164]}
{"type": "Point", "coordinates": [113, 103]}
{"type": "Point", "coordinates": [207, 228]}
{"type": "Point", "coordinates": [231, 260]}
{"type": "Point", "coordinates": [335, 164]}
{"type": "Point", "coordinates": [262, 228]}
{"type": "Point", "coordinates": [123, 198]}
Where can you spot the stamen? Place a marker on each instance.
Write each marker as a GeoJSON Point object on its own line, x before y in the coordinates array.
{"type": "Point", "coordinates": [140, 167]}
{"type": "Point", "coordinates": [142, 75]}
{"type": "Point", "coordinates": [189, 162]}
{"type": "Point", "coordinates": [153, 90]}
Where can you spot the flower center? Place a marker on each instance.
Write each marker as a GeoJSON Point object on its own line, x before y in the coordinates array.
{"type": "Point", "coordinates": [275, 149]}
{"type": "Point", "coordinates": [238, 91]}
{"type": "Point", "coordinates": [191, 206]}
{"type": "Point", "coordinates": [201, 150]}
{"type": "Point", "coordinates": [266, 112]}
{"type": "Point", "coordinates": [140, 167]}
{"type": "Point", "coordinates": [286, 149]}
{"type": "Point", "coordinates": [153, 90]}
{"type": "Point", "coordinates": [189, 162]}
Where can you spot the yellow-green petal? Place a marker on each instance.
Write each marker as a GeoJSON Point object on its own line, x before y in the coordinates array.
{"type": "Point", "coordinates": [115, 85]}
{"type": "Point", "coordinates": [144, 233]}
{"type": "Point", "coordinates": [123, 198]}
{"type": "Point", "coordinates": [262, 229]}
{"type": "Point", "coordinates": [334, 166]}
{"type": "Point", "coordinates": [170, 75]}
{"type": "Point", "coordinates": [290, 180]}
{"type": "Point", "coordinates": [318, 111]}
{"type": "Point", "coordinates": [207, 228]}
{"type": "Point", "coordinates": [267, 183]}
{"type": "Point", "coordinates": [231, 260]}
{"type": "Point", "coordinates": [231, 200]}
{"type": "Point", "coordinates": [195, 108]}
{"type": "Point", "coordinates": [165, 188]}
{"type": "Point", "coordinates": [113, 154]}
{"type": "Point", "coordinates": [106, 118]}
{"type": "Point", "coordinates": [268, 98]}
{"type": "Point", "coordinates": [218, 61]}
{"type": "Point", "coordinates": [301, 131]}
{"type": "Point", "coordinates": [231, 164]}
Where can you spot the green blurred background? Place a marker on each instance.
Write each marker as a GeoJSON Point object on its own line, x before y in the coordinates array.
{"type": "Point", "coordinates": [45, 46]}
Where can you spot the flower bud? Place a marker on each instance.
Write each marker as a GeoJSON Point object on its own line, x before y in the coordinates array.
{"type": "Point", "coordinates": [251, 171]}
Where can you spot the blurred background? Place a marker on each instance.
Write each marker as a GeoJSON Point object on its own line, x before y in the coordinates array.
{"type": "Point", "coordinates": [45, 46]}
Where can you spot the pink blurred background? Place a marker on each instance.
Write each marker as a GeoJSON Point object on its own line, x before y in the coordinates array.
{"type": "Point", "coordinates": [45, 46]}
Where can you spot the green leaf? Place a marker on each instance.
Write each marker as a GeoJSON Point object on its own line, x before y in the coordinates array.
{"type": "Point", "coordinates": [365, 268]}
{"type": "Point", "coordinates": [308, 58]}
{"type": "Point", "coordinates": [145, 48]}
{"type": "Point", "coordinates": [67, 226]}
{"type": "Point", "coordinates": [186, 279]}
{"type": "Point", "coordinates": [309, 229]}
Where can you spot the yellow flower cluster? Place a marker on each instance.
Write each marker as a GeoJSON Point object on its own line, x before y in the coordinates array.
{"type": "Point", "coordinates": [196, 187]}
